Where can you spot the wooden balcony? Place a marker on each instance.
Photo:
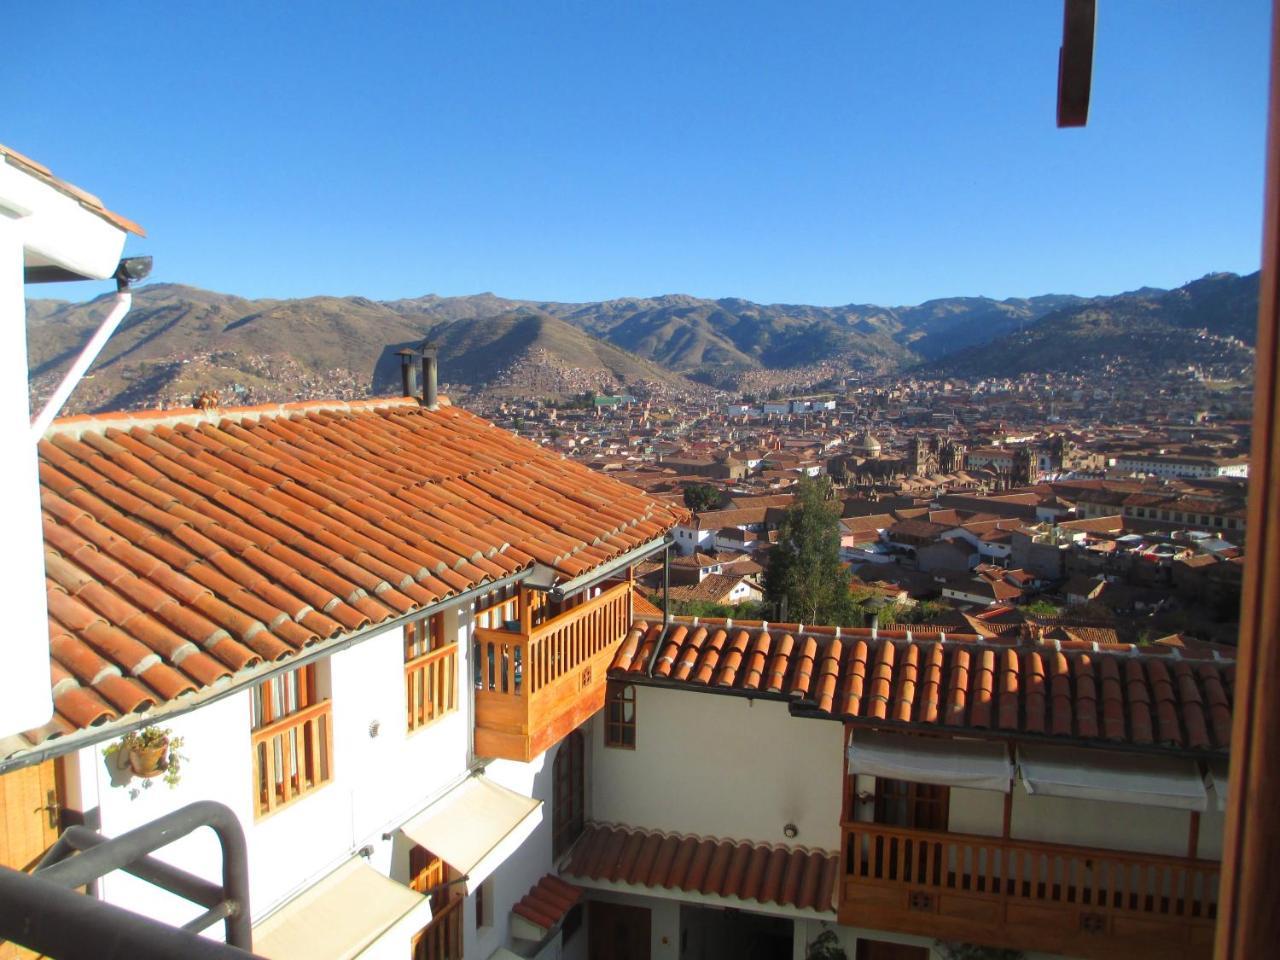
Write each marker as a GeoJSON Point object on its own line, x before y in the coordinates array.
{"type": "Point", "coordinates": [292, 756]}
{"type": "Point", "coordinates": [534, 687]}
{"type": "Point", "coordinates": [441, 939]}
{"type": "Point", "coordinates": [431, 686]}
{"type": "Point", "coordinates": [1028, 896]}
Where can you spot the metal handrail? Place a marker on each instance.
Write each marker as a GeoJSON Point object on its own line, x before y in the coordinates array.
{"type": "Point", "coordinates": [41, 911]}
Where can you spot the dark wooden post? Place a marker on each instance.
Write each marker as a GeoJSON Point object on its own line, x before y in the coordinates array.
{"type": "Point", "coordinates": [1248, 921]}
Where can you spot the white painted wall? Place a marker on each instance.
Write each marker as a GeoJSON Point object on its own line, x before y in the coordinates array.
{"type": "Point", "coordinates": [722, 766]}
{"type": "Point", "coordinates": [378, 783]}
{"type": "Point", "coordinates": [1092, 823]}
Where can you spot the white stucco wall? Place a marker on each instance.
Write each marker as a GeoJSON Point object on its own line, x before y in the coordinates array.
{"type": "Point", "coordinates": [722, 766]}
{"type": "Point", "coordinates": [1092, 823]}
{"type": "Point", "coordinates": [378, 783]}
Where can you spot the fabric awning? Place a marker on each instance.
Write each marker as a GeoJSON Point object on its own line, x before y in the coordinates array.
{"type": "Point", "coordinates": [1112, 776]}
{"type": "Point", "coordinates": [1216, 779]}
{"type": "Point", "coordinates": [341, 916]}
{"type": "Point", "coordinates": [977, 764]}
{"type": "Point", "coordinates": [475, 826]}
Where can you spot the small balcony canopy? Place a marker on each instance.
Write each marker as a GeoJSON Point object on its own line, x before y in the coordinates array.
{"type": "Point", "coordinates": [475, 827]}
{"type": "Point", "coordinates": [977, 764]}
{"type": "Point", "coordinates": [1112, 776]}
{"type": "Point", "coordinates": [342, 916]}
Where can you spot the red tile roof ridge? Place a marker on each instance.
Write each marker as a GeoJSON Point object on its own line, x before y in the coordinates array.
{"type": "Point", "coordinates": [930, 633]}
{"type": "Point", "coordinates": [77, 425]}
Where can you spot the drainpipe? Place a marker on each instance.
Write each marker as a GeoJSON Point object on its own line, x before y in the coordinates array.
{"type": "Point", "coordinates": [666, 611]}
{"type": "Point", "coordinates": [130, 270]}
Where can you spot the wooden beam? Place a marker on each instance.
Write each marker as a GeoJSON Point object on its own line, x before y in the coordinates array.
{"type": "Point", "coordinates": [1248, 922]}
{"type": "Point", "coordinates": [1075, 62]}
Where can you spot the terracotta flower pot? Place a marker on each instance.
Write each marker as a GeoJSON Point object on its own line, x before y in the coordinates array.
{"type": "Point", "coordinates": [149, 761]}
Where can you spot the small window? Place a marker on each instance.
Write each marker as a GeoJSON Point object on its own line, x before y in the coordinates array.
{"type": "Point", "coordinates": [620, 716]}
{"type": "Point", "coordinates": [484, 905]}
{"type": "Point", "coordinates": [920, 806]}
{"type": "Point", "coordinates": [423, 636]}
{"type": "Point", "coordinates": [292, 738]}
{"type": "Point", "coordinates": [568, 794]}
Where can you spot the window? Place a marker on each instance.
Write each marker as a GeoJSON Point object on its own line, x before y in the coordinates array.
{"type": "Point", "coordinates": [920, 806]}
{"type": "Point", "coordinates": [441, 939]}
{"type": "Point", "coordinates": [569, 794]}
{"type": "Point", "coordinates": [430, 671]}
{"type": "Point", "coordinates": [423, 636]}
{"type": "Point", "coordinates": [620, 716]}
{"type": "Point", "coordinates": [484, 905]}
{"type": "Point", "coordinates": [292, 738]}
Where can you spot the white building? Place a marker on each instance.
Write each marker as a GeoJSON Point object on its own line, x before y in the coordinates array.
{"type": "Point", "coordinates": [1183, 467]}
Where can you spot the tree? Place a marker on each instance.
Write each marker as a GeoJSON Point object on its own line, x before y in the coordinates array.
{"type": "Point", "coordinates": [701, 496]}
{"type": "Point", "coordinates": [806, 576]}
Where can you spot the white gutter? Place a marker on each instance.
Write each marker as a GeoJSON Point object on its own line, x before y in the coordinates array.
{"type": "Point", "coordinates": [124, 300]}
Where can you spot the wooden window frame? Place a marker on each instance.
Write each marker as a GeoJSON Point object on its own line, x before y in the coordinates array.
{"type": "Point", "coordinates": [926, 806]}
{"type": "Point", "coordinates": [291, 730]}
{"type": "Point", "coordinates": [619, 731]}
{"type": "Point", "coordinates": [430, 672]}
{"type": "Point", "coordinates": [568, 785]}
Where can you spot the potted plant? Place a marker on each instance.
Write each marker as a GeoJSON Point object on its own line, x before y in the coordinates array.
{"type": "Point", "coordinates": [149, 752]}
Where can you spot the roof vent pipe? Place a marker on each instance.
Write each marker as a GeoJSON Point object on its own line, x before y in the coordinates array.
{"type": "Point", "coordinates": [429, 354]}
{"type": "Point", "coordinates": [407, 372]}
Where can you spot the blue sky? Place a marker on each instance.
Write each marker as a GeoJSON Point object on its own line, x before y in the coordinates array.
{"type": "Point", "coordinates": [854, 151]}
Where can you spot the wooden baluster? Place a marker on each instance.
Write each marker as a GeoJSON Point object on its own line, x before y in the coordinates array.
{"type": "Point", "coordinates": [267, 757]}
{"type": "Point", "coordinates": [320, 750]}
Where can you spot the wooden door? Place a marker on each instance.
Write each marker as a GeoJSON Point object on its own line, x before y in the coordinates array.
{"type": "Point", "coordinates": [29, 808]}
{"type": "Point", "coordinates": [30, 803]}
{"type": "Point", "coordinates": [883, 950]}
{"type": "Point", "coordinates": [617, 932]}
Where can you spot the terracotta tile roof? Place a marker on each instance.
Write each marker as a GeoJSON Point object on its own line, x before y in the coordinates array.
{"type": "Point", "coordinates": [184, 547]}
{"type": "Point", "coordinates": [766, 873]}
{"type": "Point", "coordinates": [714, 588]}
{"type": "Point", "coordinates": [85, 199]}
{"type": "Point", "coordinates": [1071, 690]}
{"type": "Point", "coordinates": [548, 901]}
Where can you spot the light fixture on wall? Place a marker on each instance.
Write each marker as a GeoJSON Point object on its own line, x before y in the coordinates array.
{"type": "Point", "coordinates": [790, 831]}
{"type": "Point", "coordinates": [375, 727]}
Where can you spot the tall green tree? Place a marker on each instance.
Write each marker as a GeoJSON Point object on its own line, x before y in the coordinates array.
{"type": "Point", "coordinates": [806, 577]}
{"type": "Point", "coordinates": [700, 497]}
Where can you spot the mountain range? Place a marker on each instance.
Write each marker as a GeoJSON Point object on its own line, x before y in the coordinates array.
{"type": "Point", "coordinates": [179, 341]}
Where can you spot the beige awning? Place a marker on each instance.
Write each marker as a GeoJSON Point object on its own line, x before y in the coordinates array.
{"type": "Point", "coordinates": [977, 764]}
{"type": "Point", "coordinates": [1112, 777]}
{"type": "Point", "coordinates": [475, 827]}
{"type": "Point", "coordinates": [342, 916]}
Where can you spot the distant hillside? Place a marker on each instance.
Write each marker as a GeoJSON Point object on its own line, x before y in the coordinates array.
{"type": "Point", "coordinates": [1211, 319]}
{"type": "Point", "coordinates": [179, 341]}
{"type": "Point", "coordinates": [528, 353]}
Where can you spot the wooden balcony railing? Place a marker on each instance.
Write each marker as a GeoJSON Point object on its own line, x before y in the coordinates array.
{"type": "Point", "coordinates": [1028, 895]}
{"type": "Point", "coordinates": [441, 939]}
{"type": "Point", "coordinates": [533, 688]}
{"type": "Point", "coordinates": [431, 686]}
{"type": "Point", "coordinates": [292, 756]}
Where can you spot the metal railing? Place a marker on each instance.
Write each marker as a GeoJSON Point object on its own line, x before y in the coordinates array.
{"type": "Point", "coordinates": [42, 910]}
